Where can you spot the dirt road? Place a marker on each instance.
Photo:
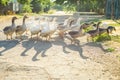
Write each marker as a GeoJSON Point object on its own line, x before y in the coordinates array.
{"type": "Point", "coordinates": [56, 60]}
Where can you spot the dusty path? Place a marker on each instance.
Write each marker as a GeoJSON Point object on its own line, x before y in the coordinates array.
{"type": "Point", "coordinates": [56, 60]}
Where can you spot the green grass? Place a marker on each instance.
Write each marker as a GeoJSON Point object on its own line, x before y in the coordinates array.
{"type": "Point", "coordinates": [112, 22]}
{"type": "Point", "coordinates": [116, 25]}
{"type": "Point", "coordinates": [115, 38]}
{"type": "Point", "coordinates": [103, 37]}
{"type": "Point", "coordinates": [110, 49]}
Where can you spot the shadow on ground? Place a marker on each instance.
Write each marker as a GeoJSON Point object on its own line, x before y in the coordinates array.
{"type": "Point", "coordinates": [7, 45]}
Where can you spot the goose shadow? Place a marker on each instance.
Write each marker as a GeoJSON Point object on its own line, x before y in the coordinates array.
{"type": "Point", "coordinates": [7, 45]}
{"type": "Point", "coordinates": [41, 47]}
{"type": "Point", "coordinates": [27, 45]}
{"type": "Point", "coordinates": [73, 47]}
{"type": "Point", "coordinates": [93, 44]}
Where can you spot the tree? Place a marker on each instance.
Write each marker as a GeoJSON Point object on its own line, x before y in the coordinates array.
{"type": "Point", "coordinates": [84, 5]}
{"type": "Point", "coordinates": [27, 7]}
{"type": "Point", "coordinates": [4, 2]}
{"type": "Point", "coordinates": [40, 5]}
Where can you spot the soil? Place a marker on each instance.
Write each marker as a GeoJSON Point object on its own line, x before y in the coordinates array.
{"type": "Point", "coordinates": [57, 59]}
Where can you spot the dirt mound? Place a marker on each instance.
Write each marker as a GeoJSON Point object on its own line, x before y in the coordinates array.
{"type": "Point", "coordinates": [9, 71]}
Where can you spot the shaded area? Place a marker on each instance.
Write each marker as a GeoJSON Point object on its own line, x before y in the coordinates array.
{"type": "Point", "coordinates": [93, 44]}
{"type": "Point", "coordinates": [27, 45]}
{"type": "Point", "coordinates": [7, 45]}
{"type": "Point", "coordinates": [75, 48]}
{"type": "Point", "coordinates": [41, 47]}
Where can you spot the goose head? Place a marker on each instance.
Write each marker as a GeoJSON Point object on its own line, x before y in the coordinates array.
{"type": "Point", "coordinates": [54, 19]}
{"type": "Point", "coordinates": [25, 16]}
{"type": "Point", "coordinates": [14, 18]}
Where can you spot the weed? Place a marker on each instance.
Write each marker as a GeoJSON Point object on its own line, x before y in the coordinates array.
{"type": "Point", "coordinates": [110, 49]}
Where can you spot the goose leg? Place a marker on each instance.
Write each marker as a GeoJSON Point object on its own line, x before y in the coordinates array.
{"type": "Point", "coordinates": [31, 36]}
{"type": "Point", "coordinates": [16, 35]}
{"type": "Point", "coordinates": [87, 39]}
{"type": "Point", "coordinates": [11, 37]}
{"type": "Point", "coordinates": [72, 41]}
{"type": "Point", "coordinates": [37, 36]}
{"type": "Point", "coordinates": [7, 37]}
{"type": "Point", "coordinates": [21, 36]}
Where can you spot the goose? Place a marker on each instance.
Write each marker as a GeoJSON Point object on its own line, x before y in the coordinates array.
{"type": "Point", "coordinates": [49, 29]}
{"type": "Point", "coordinates": [77, 24]}
{"type": "Point", "coordinates": [86, 25]}
{"type": "Point", "coordinates": [34, 27]}
{"type": "Point", "coordinates": [101, 30]}
{"type": "Point", "coordinates": [111, 28]}
{"type": "Point", "coordinates": [93, 33]}
{"type": "Point", "coordinates": [65, 24]}
{"type": "Point", "coordinates": [9, 30]}
{"type": "Point", "coordinates": [62, 29]}
{"type": "Point", "coordinates": [76, 34]}
{"type": "Point", "coordinates": [20, 29]}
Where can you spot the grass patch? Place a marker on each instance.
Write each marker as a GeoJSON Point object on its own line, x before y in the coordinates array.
{"type": "Point", "coordinates": [105, 37]}
{"type": "Point", "coordinates": [102, 38]}
{"type": "Point", "coordinates": [115, 25]}
{"type": "Point", "coordinates": [110, 49]}
{"type": "Point", "coordinates": [116, 38]}
{"type": "Point", "coordinates": [88, 29]}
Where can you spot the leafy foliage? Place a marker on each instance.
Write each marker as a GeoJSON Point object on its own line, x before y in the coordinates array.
{"type": "Point", "coordinates": [4, 2]}
{"type": "Point", "coordinates": [40, 5]}
{"type": "Point", "coordinates": [24, 1]}
{"type": "Point", "coordinates": [84, 5]}
{"type": "Point", "coordinates": [26, 8]}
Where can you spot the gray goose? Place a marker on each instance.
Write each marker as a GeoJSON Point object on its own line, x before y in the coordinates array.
{"type": "Point", "coordinates": [9, 30]}
{"type": "Point", "coordinates": [20, 29]}
{"type": "Point", "coordinates": [93, 33]}
{"type": "Point", "coordinates": [111, 28]}
{"type": "Point", "coordinates": [76, 34]}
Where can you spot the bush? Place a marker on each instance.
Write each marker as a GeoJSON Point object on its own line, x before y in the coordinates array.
{"type": "Point", "coordinates": [27, 8]}
{"type": "Point", "coordinates": [51, 11]}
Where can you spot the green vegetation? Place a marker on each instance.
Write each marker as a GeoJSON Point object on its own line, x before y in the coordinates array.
{"type": "Point", "coordinates": [110, 49]}
{"type": "Point", "coordinates": [116, 38]}
{"type": "Point", "coordinates": [103, 37]}
{"type": "Point", "coordinates": [97, 6]}
{"type": "Point", "coordinates": [26, 8]}
{"type": "Point", "coordinates": [51, 11]}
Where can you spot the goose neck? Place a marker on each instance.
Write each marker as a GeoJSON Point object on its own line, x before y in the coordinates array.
{"type": "Point", "coordinates": [98, 26]}
{"type": "Point", "coordinates": [23, 20]}
{"type": "Point", "coordinates": [13, 21]}
{"type": "Point", "coordinates": [81, 27]}
{"type": "Point", "coordinates": [78, 21]}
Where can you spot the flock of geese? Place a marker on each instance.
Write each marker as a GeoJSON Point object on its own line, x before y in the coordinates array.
{"type": "Point", "coordinates": [46, 27]}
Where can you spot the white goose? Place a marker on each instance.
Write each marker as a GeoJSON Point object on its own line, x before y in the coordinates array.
{"type": "Point", "coordinates": [34, 27]}
{"type": "Point", "coordinates": [66, 26]}
{"type": "Point", "coordinates": [48, 28]}
{"type": "Point", "coordinates": [77, 24]}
